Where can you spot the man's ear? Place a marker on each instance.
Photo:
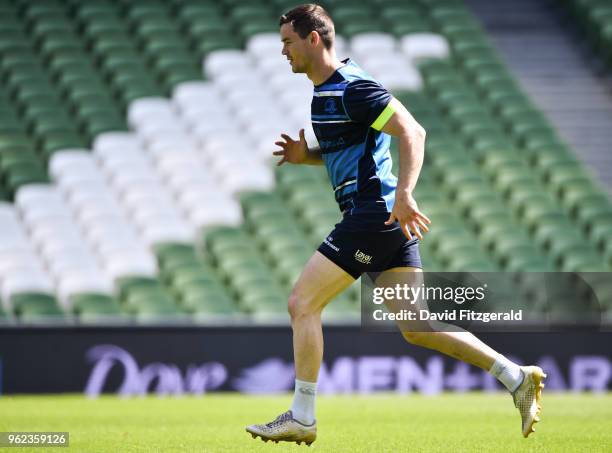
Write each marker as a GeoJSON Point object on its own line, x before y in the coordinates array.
{"type": "Point", "coordinates": [314, 38]}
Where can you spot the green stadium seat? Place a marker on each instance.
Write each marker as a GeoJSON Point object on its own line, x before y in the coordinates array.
{"type": "Point", "coordinates": [96, 308]}
{"type": "Point", "coordinates": [247, 12]}
{"type": "Point", "coordinates": [340, 309]}
{"type": "Point", "coordinates": [407, 27]}
{"type": "Point", "coordinates": [15, 142]}
{"type": "Point", "coordinates": [586, 262]}
{"type": "Point", "coordinates": [601, 236]}
{"type": "Point", "coordinates": [194, 274]}
{"type": "Point", "coordinates": [24, 173]}
{"type": "Point", "coordinates": [151, 301]}
{"type": "Point", "coordinates": [528, 263]}
{"type": "Point", "coordinates": [5, 318]}
{"type": "Point", "coordinates": [545, 234]}
{"type": "Point", "coordinates": [246, 278]}
{"type": "Point", "coordinates": [54, 141]}
{"type": "Point", "coordinates": [128, 285]}
{"type": "Point", "coordinates": [168, 252]}
{"type": "Point", "coordinates": [351, 13]}
{"type": "Point", "coordinates": [252, 28]}
{"type": "Point", "coordinates": [32, 307]}
{"type": "Point", "coordinates": [207, 303]}
{"type": "Point", "coordinates": [263, 296]}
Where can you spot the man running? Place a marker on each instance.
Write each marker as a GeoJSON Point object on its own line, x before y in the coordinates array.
{"type": "Point", "coordinates": [353, 117]}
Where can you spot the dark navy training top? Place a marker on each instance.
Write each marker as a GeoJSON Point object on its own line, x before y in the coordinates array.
{"type": "Point", "coordinates": [348, 110]}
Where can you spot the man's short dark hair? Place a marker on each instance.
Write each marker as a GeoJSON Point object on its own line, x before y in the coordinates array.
{"type": "Point", "coordinates": [308, 18]}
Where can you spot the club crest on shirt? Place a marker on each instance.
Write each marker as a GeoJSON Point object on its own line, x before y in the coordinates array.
{"type": "Point", "coordinates": [330, 106]}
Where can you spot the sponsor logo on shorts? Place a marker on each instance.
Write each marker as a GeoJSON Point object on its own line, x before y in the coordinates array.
{"type": "Point", "coordinates": [362, 257]}
{"type": "Point", "coordinates": [328, 243]}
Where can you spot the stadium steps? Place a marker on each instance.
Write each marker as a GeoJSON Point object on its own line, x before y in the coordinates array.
{"type": "Point", "coordinates": [556, 75]}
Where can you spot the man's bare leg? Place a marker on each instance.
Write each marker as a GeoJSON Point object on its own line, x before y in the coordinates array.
{"type": "Point", "coordinates": [525, 383]}
{"type": "Point", "coordinates": [463, 346]}
{"type": "Point", "coordinates": [319, 282]}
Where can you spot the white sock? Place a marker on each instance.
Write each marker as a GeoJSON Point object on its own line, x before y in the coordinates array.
{"type": "Point", "coordinates": [303, 407]}
{"type": "Point", "coordinates": [508, 373]}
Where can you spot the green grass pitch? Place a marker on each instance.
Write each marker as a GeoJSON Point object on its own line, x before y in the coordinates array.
{"type": "Point", "coordinates": [471, 422]}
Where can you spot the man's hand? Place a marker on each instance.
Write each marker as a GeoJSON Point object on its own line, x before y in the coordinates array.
{"type": "Point", "coordinates": [294, 152]}
{"type": "Point", "coordinates": [406, 212]}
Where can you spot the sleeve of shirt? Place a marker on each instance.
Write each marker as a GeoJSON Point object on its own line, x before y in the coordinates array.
{"type": "Point", "coordinates": [367, 101]}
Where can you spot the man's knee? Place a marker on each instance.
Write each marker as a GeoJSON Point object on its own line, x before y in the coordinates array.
{"type": "Point", "coordinates": [417, 338]}
{"type": "Point", "coordinates": [300, 305]}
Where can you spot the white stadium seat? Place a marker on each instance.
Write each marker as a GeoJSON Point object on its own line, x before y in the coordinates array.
{"type": "Point", "coordinates": [418, 46]}
{"type": "Point", "coordinates": [187, 93]}
{"type": "Point", "coordinates": [160, 125]}
{"type": "Point", "coordinates": [106, 232]}
{"type": "Point", "coordinates": [73, 261]}
{"type": "Point", "coordinates": [271, 65]}
{"type": "Point", "coordinates": [59, 243]}
{"type": "Point", "coordinates": [365, 45]}
{"type": "Point", "coordinates": [264, 44]}
{"type": "Point", "coordinates": [223, 214]}
{"type": "Point", "coordinates": [146, 214]}
{"type": "Point", "coordinates": [244, 80]}
{"type": "Point", "coordinates": [33, 194]}
{"type": "Point", "coordinates": [116, 166]}
{"type": "Point", "coordinates": [195, 113]}
{"type": "Point", "coordinates": [112, 141]}
{"type": "Point", "coordinates": [20, 282]}
{"type": "Point", "coordinates": [39, 214]}
{"type": "Point", "coordinates": [218, 124]}
{"type": "Point", "coordinates": [60, 221]}
{"type": "Point", "coordinates": [168, 231]}
{"type": "Point", "coordinates": [90, 214]}
{"type": "Point", "coordinates": [169, 162]}
{"type": "Point", "coordinates": [133, 175]}
{"type": "Point", "coordinates": [106, 250]}
{"type": "Point", "coordinates": [145, 194]}
{"type": "Point", "coordinates": [75, 180]}
{"type": "Point", "coordinates": [141, 108]}
{"type": "Point", "coordinates": [342, 47]}
{"type": "Point", "coordinates": [220, 62]}
{"type": "Point", "coordinates": [24, 259]}
{"type": "Point", "coordinates": [71, 160]}
{"type": "Point", "coordinates": [170, 142]}
{"type": "Point", "coordinates": [88, 195]}
{"type": "Point", "coordinates": [84, 281]}
{"type": "Point", "coordinates": [203, 196]}
{"type": "Point", "coordinates": [48, 233]}
{"type": "Point", "coordinates": [252, 178]}
{"type": "Point", "coordinates": [396, 73]}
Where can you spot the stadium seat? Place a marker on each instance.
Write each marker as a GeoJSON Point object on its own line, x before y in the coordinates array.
{"type": "Point", "coordinates": [95, 308]}
{"type": "Point", "coordinates": [33, 307]}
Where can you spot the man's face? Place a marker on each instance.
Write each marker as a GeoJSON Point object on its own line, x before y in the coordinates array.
{"type": "Point", "coordinates": [295, 49]}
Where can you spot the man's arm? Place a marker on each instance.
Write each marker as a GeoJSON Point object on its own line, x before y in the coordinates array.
{"type": "Point", "coordinates": [411, 136]}
{"type": "Point", "coordinates": [297, 151]}
{"type": "Point", "coordinates": [313, 156]}
{"type": "Point", "coordinates": [395, 120]}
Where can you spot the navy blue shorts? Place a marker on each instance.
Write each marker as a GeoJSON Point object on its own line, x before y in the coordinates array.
{"type": "Point", "coordinates": [374, 249]}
